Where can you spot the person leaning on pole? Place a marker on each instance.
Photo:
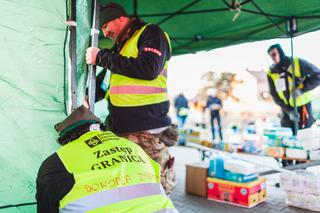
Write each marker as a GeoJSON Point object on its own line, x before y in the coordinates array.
{"type": "Point", "coordinates": [97, 171]}
{"type": "Point", "coordinates": [137, 95]}
{"type": "Point", "coordinates": [306, 90]}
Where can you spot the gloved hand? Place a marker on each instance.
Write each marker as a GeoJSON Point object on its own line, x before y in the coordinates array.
{"type": "Point", "coordinates": [86, 102]}
{"type": "Point", "coordinates": [297, 92]}
{"type": "Point", "coordinates": [293, 117]}
{"type": "Point", "coordinates": [91, 55]}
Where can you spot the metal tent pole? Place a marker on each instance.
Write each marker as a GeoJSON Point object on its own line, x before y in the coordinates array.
{"type": "Point", "coordinates": [292, 29]}
{"type": "Point", "coordinates": [94, 43]}
{"type": "Point", "coordinates": [73, 53]}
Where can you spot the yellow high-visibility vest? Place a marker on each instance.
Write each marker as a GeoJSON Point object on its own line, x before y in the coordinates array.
{"type": "Point", "coordinates": [131, 92]}
{"type": "Point", "coordinates": [301, 100]}
{"type": "Point", "coordinates": [112, 174]}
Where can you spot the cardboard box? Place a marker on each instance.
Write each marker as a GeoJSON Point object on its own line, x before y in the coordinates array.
{"type": "Point", "coordinates": [207, 144]}
{"type": "Point", "coordinates": [196, 179]}
{"type": "Point", "coordinates": [297, 153]}
{"type": "Point", "coordinates": [234, 177]}
{"type": "Point", "coordinates": [302, 188]}
{"type": "Point", "coordinates": [308, 133]}
{"type": "Point", "coordinates": [193, 137]}
{"type": "Point", "coordinates": [310, 201]}
{"type": "Point", "coordinates": [314, 154]}
{"type": "Point", "coordinates": [277, 152]}
{"type": "Point", "coordinates": [240, 194]}
{"type": "Point", "coordinates": [309, 138]}
{"type": "Point", "coordinates": [311, 144]}
{"type": "Point", "coordinates": [277, 132]}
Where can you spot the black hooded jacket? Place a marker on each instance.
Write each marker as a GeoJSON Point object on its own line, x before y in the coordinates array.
{"type": "Point", "coordinates": [310, 77]}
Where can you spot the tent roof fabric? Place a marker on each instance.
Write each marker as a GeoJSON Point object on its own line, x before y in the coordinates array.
{"type": "Point", "coordinates": [197, 25]}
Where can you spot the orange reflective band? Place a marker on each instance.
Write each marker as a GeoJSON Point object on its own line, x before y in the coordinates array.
{"type": "Point", "coordinates": [136, 90]}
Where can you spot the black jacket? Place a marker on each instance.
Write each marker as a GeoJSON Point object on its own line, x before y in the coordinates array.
{"type": "Point", "coordinates": [53, 183]}
{"type": "Point", "coordinates": [310, 76]}
{"type": "Point", "coordinates": [147, 66]}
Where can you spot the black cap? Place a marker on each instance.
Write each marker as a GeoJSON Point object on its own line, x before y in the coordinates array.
{"type": "Point", "coordinates": [110, 12]}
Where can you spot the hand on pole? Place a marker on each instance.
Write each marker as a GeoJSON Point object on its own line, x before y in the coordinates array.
{"type": "Point", "coordinates": [91, 55]}
{"type": "Point", "coordinates": [297, 92]}
{"type": "Point", "coordinates": [293, 116]}
{"type": "Point", "coordinates": [86, 102]}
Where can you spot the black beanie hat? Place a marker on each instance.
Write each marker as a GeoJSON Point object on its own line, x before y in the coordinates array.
{"type": "Point", "coordinates": [110, 12]}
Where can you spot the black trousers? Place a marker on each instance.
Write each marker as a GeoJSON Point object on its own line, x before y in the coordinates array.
{"type": "Point", "coordinates": [215, 116]}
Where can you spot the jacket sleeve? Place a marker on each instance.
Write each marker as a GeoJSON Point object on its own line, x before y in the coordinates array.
{"type": "Point", "coordinates": [276, 98]}
{"type": "Point", "coordinates": [100, 92]}
{"type": "Point", "coordinates": [53, 183]}
{"type": "Point", "coordinates": [153, 51]}
{"type": "Point", "coordinates": [311, 75]}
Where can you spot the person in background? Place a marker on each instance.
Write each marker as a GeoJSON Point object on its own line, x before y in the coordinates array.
{"type": "Point", "coordinates": [281, 88]}
{"type": "Point", "coordinates": [182, 109]}
{"type": "Point", "coordinates": [214, 104]}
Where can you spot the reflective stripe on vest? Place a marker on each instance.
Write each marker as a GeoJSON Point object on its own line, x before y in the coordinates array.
{"type": "Point", "coordinates": [106, 198]}
{"type": "Point", "coordinates": [300, 100]}
{"type": "Point", "coordinates": [158, 203]}
{"type": "Point", "coordinates": [129, 92]}
{"type": "Point", "coordinates": [136, 90]}
{"type": "Point", "coordinates": [167, 211]}
{"type": "Point", "coordinates": [113, 174]}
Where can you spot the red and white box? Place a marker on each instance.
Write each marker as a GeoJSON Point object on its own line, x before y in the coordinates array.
{"type": "Point", "coordinates": [245, 195]}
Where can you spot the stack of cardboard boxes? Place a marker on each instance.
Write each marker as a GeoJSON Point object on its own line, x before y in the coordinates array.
{"type": "Point", "coordinates": [273, 138]}
{"type": "Point", "coordinates": [310, 142]}
{"type": "Point", "coordinates": [280, 143]}
{"type": "Point", "coordinates": [226, 180]}
{"type": "Point", "coordinates": [302, 188]}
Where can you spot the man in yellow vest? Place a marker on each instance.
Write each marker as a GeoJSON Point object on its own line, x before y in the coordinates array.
{"type": "Point", "coordinates": [137, 95]}
{"type": "Point", "coordinates": [97, 171]}
{"type": "Point", "coordinates": [281, 88]}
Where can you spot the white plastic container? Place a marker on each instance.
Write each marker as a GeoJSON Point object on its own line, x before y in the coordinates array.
{"type": "Point", "coordinates": [240, 167]}
{"type": "Point", "coordinates": [297, 153]}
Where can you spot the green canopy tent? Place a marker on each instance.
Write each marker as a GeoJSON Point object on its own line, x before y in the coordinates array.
{"type": "Point", "coordinates": [197, 25]}
{"type": "Point", "coordinates": [39, 82]}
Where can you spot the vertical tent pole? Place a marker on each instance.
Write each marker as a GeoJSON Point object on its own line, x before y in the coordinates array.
{"type": "Point", "coordinates": [73, 53]}
{"type": "Point", "coordinates": [135, 8]}
{"type": "Point", "coordinates": [94, 43]}
{"type": "Point", "coordinates": [292, 29]}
